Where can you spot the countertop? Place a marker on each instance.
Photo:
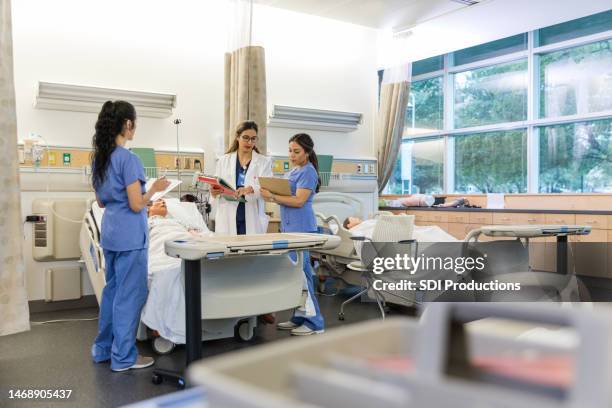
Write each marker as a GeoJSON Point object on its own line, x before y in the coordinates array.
{"type": "Point", "coordinates": [500, 210]}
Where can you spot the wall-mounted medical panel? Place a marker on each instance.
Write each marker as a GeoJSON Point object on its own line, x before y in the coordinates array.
{"type": "Point", "coordinates": [76, 157]}
{"type": "Point", "coordinates": [354, 167]}
{"type": "Point", "coordinates": [56, 237]}
{"type": "Point", "coordinates": [293, 117]}
{"type": "Point", "coordinates": [80, 98]}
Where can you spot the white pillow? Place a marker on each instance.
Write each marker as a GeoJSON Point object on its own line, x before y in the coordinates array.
{"type": "Point", "coordinates": [186, 213]}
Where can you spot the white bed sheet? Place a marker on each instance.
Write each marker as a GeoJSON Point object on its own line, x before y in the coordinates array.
{"type": "Point", "coordinates": [164, 310]}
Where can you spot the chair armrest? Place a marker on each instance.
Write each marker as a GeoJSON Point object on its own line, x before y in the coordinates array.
{"type": "Point", "coordinates": [407, 241]}
{"type": "Point", "coordinates": [361, 239]}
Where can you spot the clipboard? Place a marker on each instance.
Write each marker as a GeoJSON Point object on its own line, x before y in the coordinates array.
{"type": "Point", "coordinates": [228, 192]}
{"type": "Point", "coordinates": [275, 185]}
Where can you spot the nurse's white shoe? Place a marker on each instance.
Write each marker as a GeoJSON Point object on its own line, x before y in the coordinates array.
{"type": "Point", "coordinates": [286, 325]}
{"type": "Point", "coordinates": [304, 330]}
{"type": "Point", "coordinates": [141, 362]}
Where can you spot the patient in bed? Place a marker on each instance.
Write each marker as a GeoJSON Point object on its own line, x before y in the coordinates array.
{"type": "Point", "coordinates": [164, 310]}
{"type": "Point", "coordinates": [426, 233]}
{"type": "Point", "coordinates": [159, 208]}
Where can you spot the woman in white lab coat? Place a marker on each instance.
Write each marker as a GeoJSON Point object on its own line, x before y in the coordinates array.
{"type": "Point", "coordinates": [240, 167]}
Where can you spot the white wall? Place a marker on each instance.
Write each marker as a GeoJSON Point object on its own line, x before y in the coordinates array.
{"type": "Point", "coordinates": [320, 63]}
{"type": "Point", "coordinates": [178, 47]}
{"type": "Point", "coordinates": [489, 21]}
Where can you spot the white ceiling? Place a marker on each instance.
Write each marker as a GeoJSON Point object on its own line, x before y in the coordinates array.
{"type": "Point", "coordinates": [392, 14]}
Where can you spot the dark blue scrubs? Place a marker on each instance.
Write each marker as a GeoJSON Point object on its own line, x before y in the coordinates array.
{"type": "Point", "coordinates": [240, 214]}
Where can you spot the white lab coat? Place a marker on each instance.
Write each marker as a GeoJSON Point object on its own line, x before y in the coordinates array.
{"type": "Point", "coordinates": [256, 218]}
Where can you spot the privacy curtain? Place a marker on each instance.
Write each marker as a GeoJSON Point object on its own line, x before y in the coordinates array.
{"type": "Point", "coordinates": [245, 92]}
{"type": "Point", "coordinates": [390, 127]}
{"type": "Point", "coordinates": [14, 313]}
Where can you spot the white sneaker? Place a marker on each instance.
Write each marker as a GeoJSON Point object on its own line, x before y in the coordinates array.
{"type": "Point", "coordinates": [141, 362]}
{"type": "Point", "coordinates": [286, 325]}
{"type": "Point", "coordinates": [304, 330]}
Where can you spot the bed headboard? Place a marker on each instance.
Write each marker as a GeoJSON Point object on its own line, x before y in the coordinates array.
{"type": "Point", "coordinates": [339, 204]}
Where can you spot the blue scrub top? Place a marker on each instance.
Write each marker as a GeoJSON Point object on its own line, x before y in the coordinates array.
{"type": "Point", "coordinates": [300, 219]}
{"type": "Point", "coordinates": [122, 228]}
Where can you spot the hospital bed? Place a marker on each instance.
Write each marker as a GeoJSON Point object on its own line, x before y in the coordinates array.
{"type": "Point", "coordinates": [511, 262]}
{"type": "Point", "coordinates": [331, 209]}
{"type": "Point", "coordinates": [228, 276]}
{"type": "Point", "coordinates": [234, 293]}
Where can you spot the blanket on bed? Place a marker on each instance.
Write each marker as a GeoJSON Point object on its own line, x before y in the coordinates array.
{"type": "Point", "coordinates": [164, 310]}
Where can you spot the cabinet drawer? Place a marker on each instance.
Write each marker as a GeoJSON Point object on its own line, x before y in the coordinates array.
{"type": "Point", "coordinates": [595, 221]}
{"type": "Point", "coordinates": [518, 218]}
{"type": "Point", "coordinates": [561, 219]}
{"type": "Point", "coordinates": [481, 218]}
{"type": "Point", "coordinates": [460, 218]}
{"type": "Point", "coordinates": [421, 216]}
{"type": "Point", "coordinates": [436, 216]}
{"type": "Point", "coordinates": [457, 230]}
{"type": "Point", "coordinates": [594, 236]}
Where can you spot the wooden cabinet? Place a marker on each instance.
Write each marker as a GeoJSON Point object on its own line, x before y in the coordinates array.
{"type": "Point", "coordinates": [459, 218]}
{"type": "Point", "coordinates": [594, 259]}
{"type": "Point", "coordinates": [595, 221]}
{"type": "Point", "coordinates": [518, 218]}
{"type": "Point", "coordinates": [560, 219]}
{"type": "Point", "coordinates": [481, 218]}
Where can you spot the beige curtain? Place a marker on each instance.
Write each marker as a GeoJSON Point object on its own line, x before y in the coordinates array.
{"type": "Point", "coordinates": [14, 314]}
{"type": "Point", "coordinates": [390, 127]}
{"type": "Point", "coordinates": [245, 92]}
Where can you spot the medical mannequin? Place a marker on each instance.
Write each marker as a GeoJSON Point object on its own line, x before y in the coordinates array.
{"type": "Point", "coordinates": [297, 215]}
{"type": "Point", "coordinates": [118, 180]}
{"type": "Point", "coordinates": [241, 166]}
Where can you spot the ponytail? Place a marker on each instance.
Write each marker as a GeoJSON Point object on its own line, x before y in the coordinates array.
{"type": "Point", "coordinates": [306, 143]}
{"type": "Point", "coordinates": [111, 119]}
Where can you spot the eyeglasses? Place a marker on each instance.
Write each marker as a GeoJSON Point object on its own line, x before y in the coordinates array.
{"type": "Point", "coordinates": [249, 139]}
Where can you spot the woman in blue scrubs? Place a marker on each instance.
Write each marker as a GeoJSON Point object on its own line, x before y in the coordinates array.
{"type": "Point", "coordinates": [118, 180]}
{"type": "Point", "coordinates": [297, 215]}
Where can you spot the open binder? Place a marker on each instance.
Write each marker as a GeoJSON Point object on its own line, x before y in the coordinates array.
{"type": "Point", "coordinates": [227, 191]}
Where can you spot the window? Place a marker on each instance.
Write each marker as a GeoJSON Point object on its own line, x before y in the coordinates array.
{"type": "Point", "coordinates": [490, 50]}
{"type": "Point", "coordinates": [476, 117]}
{"type": "Point", "coordinates": [494, 94]}
{"type": "Point", "coordinates": [419, 168]}
{"type": "Point", "coordinates": [580, 27]}
{"type": "Point", "coordinates": [576, 80]}
{"type": "Point", "coordinates": [576, 157]}
{"type": "Point", "coordinates": [492, 162]}
{"type": "Point", "coordinates": [428, 65]}
{"type": "Point", "coordinates": [425, 111]}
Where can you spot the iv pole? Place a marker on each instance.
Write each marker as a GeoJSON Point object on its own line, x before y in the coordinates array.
{"type": "Point", "coordinates": [177, 122]}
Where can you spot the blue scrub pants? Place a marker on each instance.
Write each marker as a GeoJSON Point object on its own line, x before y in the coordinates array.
{"type": "Point", "coordinates": [123, 297]}
{"type": "Point", "coordinates": [315, 322]}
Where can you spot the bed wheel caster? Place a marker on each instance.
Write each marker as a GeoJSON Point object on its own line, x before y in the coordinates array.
{"type": "Point", "coordinates": [162, 346]}
{"type": "Point", "coordinates": [244, 331]}
{"type": "Point", "coordinates": [157, 379]}
{"type": "Point", "coordinates": [340, 316]}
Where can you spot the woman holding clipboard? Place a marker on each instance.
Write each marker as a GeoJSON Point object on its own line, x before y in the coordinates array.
{"type": "Point", "coordinates": [241, 166]}
{"type": "Point", "coordinates": [297, 215]}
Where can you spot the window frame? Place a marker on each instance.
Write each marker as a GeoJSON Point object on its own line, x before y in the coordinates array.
{"type": "Point", "coordinates": [531, 124]}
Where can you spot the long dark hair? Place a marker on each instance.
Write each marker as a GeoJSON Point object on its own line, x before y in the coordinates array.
{"type": "Point", "coordinates": [111, 120]}
{"type": "Point", "coordinates": [242, 126]}
{"type": "Point", "coordinates": [307, 144]}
